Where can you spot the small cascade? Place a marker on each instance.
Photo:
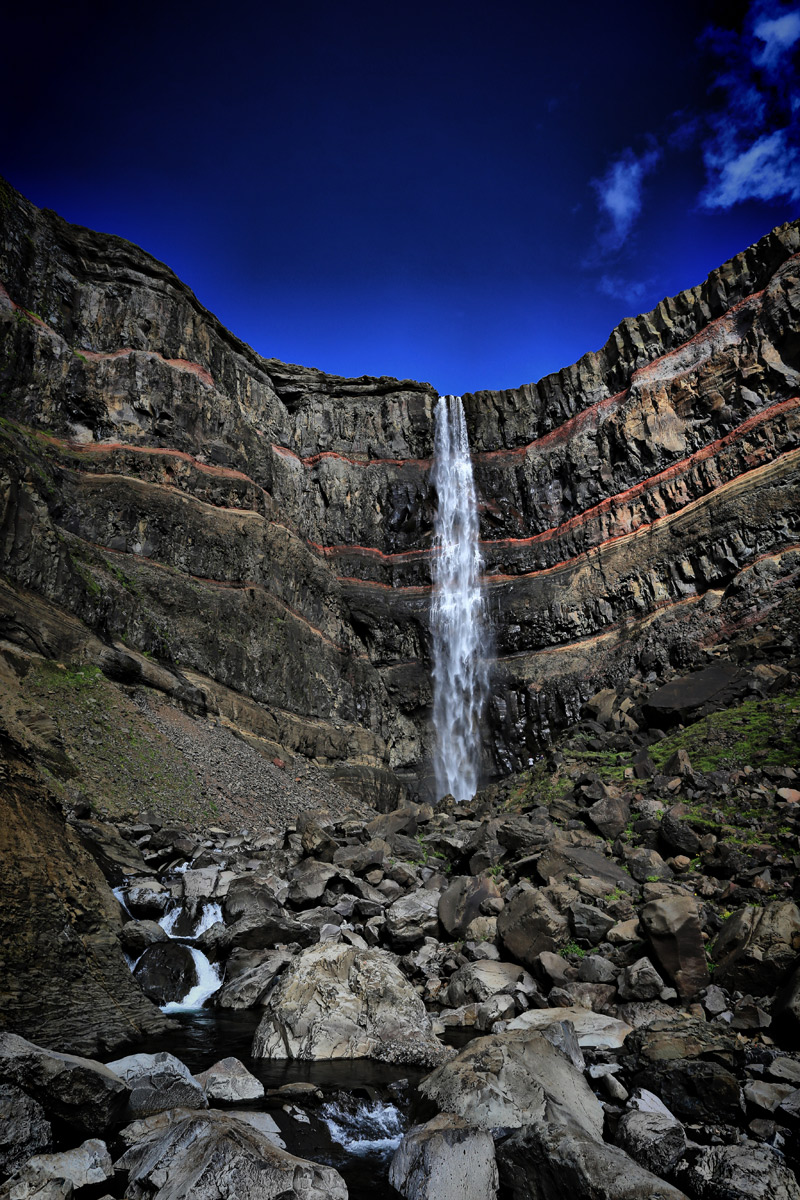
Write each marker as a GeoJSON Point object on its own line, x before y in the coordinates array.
{"type": "Point", "coordinates": [366, 1127]}
{"type": "Point", "coordinates": [208, 916]}
{"type": "Point", "coordinates": [209, 981]}
{"type": "Point", "coordinates": [460, 674]}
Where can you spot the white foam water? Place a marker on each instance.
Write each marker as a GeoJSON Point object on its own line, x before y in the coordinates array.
{"type": "Point", "coordinates": [209, 981]}
{"type": "Point", "coordinates": [169, 920]}
{"type": "Point", "coordinates": [460, 674]}
{"type": "Point", "coordinates": [371, 1127]}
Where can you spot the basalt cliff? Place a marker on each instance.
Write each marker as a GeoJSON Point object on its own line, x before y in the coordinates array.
{"type": "Point", "coordinates": [254, 537]}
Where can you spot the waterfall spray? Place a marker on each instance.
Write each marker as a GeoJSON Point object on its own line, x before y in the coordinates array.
{"type": "Point", "coordinates": [457, 625]}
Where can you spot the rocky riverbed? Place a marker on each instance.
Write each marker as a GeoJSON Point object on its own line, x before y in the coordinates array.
{"type": "Point", "coordinates": [612, 937]}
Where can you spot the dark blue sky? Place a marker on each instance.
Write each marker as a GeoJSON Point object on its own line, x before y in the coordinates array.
{"type": "Point", "coordinates": [470, 194]}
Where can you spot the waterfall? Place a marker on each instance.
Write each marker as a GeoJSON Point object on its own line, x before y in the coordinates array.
{"type": "Point", "coordinates": [459, 636]}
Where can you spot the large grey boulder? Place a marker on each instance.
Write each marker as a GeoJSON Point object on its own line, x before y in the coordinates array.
{"type": "Point", "coordinates": [249, 989]}
{"type": "Point", "coordinates": [136, 936]}
{"type": "Point", "coordinates": [513, 1079]}
{"type": "Point", "coordinates": [86, 1165]}
{"type": "Point", "coordinates": [531, 924]}
{"type": "Point", "coordinates": [744, 1172]}
{"type": "Point", "coordinates": [485, 978]}
{"type": "Point", "coordinates": [461, 903]}
{"type": "Point", "coordinates": [79, 1091]}
{"type": "Point", "coordinates": [229, 1080]}
{"type": "Point", "coordinates": [446, 1159]}
{"type": "Point", "coordinates": [183, 1155]}
{"type": "Point", "coordinates": [166, 971]}
{"type": "Point", "coordinates": [24, 1128]}
{"type": "Point", "coordinates": [557, 1162]}
{"type": "Point", "coordinates": [412, 918]}
{"type": "Point", "coordinates": [757, 947]}
{"type": "Point", "coordinates": [158, 1082]}
{"type": "Point", "coordinates": [339, 1001]}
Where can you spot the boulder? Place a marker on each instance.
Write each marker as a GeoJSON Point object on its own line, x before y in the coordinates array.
{"type": "Point", "coordinates": [136, 936]}
{"type": "Point", "coordinates": [513, 1079]}
{"type": "Point", "coordinates": [158, 1082]}
{"type": "Point", "coordinates": [677, 834]}
{"type": "Point", "coordinates": [202, 1156]}
{"type": "Point", "coordinates": [480, 980]}
{"type": "Point", "coordinates": [308, 881]}
{"type": "Point", "coordinates": [593, 1030]}
{"type": "Point", "coordinates": [24, 1128]}
{"type": "Point", "coordinates": [640, 981]}
{"type": "Point", "coordinates": [166, 971]}
{"type": "Point", "coordinates": [531, 923]}
{"type": "Point", "coordinates": [647, 866]}
{"type": "Point", "coordinates": [247, 896]}
{"type": "Point", "coordinates": [79, 1091]}
{"type": "Point", "coordinates": [707, 690]}
{"type": "Point", "coordinates": [554, 1162]}
{"type": "Point", "coordinates": [561, 859]}
{"type": "Point", "coordinates": [147, 899]}
{"type": "Point", "coordinates": [229, 1080]}
{"type": "Point", "coordinates": [673, 927]}
{"type": "Point", "coordinates": [757, 947]}
{"type": "Point", "coordinates": [85, 1166]}
{"type": "Point", "coordinates": [412, 918]}
{"type": "Point", "coordinates": [655, 1140]}
{"type": "Point", "coordinates": [786, 1010]}
{"type": "Point", "coordinates": [696, 1092]}
{"type": "Point", "coordinates": [339, 1001]}
{"type": "Point", "coordinates": [250, 988]}
{"type": "Point", "coordinates": [267, 928]}
{"type": "Point", "coordinates": [590, 924]}
{"type": "Point", "coordinates": [609, 816]}
{"type": "Point", "coordinates": [744, 1172]}
{"type": "Point", "coordinates": [461, 902]}
{"type": "Point", "coordinates": [446, 1159]}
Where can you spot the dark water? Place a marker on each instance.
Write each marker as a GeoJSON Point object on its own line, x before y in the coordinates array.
{"type": "Point", "coordinates": [366, 1106]}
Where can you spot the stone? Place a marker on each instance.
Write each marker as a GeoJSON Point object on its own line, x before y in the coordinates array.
{"type": "Point", "coordinates": [677, 834]}
{"type": "Point", "coordinates": [229, 1080]}
{"type": "Point", "coordinates": [412, 918]}
{"type": "Point", "coordinates": [593, 1030]}
{"type": "Point", "coordinates": [695, 1092]}
{"type": "Point", "coordinates": [674, 929]}
{"type": "Point", "coordinates": [136, 936]}
{"type": "Point", "coordinates": [445, 1159]}
{"type": "Point", "coordinates": [654, 1140]}
{"type": "Point", "coordinates": [625, 933]}
{"type": "Point", "coordinates": [561, 1162]}
{"type": "Point", "coordinates": [513, 1079]}
{"type": "Point", "coordinates": [590, 924]}
{"type": "Point", "coordinates": [767, 1097]}
{"type": "Point", "coordinates": [24, 1128]}
{"type": "Point", "coordinates": [86, 1166]}
{"type": "Point", "coordinates": [158, 1082]}
{"type": "Point", "coordinates": [264, 929]}
{"type": "Point", "coordinates": [202, 1156]}
{"type": "Point", "coordinates": [744, 1172]}
{"type": "Point", "coordinates": [757, 947]}
{"type": "Point", "coordinates": [480, 980]}
{"type": "Point", "coordinates": [308, 881]}
{"type": "Point", "coordinates": [166, 971]}
{"type": "Point", "coordinates": [337, 1001]}
{"type": "Point", "coordinates": [147, 900]}
{"type": "Point", "coordinates": [596, 969]}
{"type": "Point", "coordinates": [647, 866]}
{"type": "Point", "coordinates": [461, 903]}
{"type": "Point", "coordinates": [530, 924]}
{"type": "Point", "coordinates": [609, 816]}
{"type": "Point", "coordinates": [640, 981]}
{"type": "Point", "coordinates": [562, 859]}
{"type": "Point", "coordinates": [786, 1009]}
{"type": "Point", "coordinates": [716, 686]}
{"type": "Point", "coordinates": [250, 988]}
{"type": "Point", "coordinates": [84, 1094]}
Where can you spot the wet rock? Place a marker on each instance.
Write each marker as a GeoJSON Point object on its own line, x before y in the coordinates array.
{"type": "Point", "coordinates": [166, 971]}
{"type": "Point", "coordinates": [595, 1030]}
{"type": "Point", "coordinates": [337, 1001]}
{"type": "Point", "coordinates": [85, 1166]}
{"type": "Point", "coordinates": [24, 1128]}
{"type": "Point", "coordinates": [461, 903]}
{"type": "Point", "coordinates": [674, 929]}
{"type": "Point", "coordinates": [147, 900]}
{"type": "Point", "coordinates": [201, 1156]}
{"type": "Point", "coordinates": [136, 936]}
{"type": "Point", "coordinates": [79, 1091]}
{"type": "Point", "coordinates": [412, 918]}
{"type": "Point", "coordinates": [554, 1162]}
{"type": "Point", "coordinates": [445, 1159]}
{"type": "Point", "coordinates": [229, 1080]}
{"type": "Point", "coordinates": [250, 988]}
{"type": "Point", "coordinates": [158, 1082]}
{"type": "Point", "coordinates": [744, 1172]}
{"type": "Point", "coordinates": [513, 1079]}
{"type": "Point", "coordinates": [654, 1140]}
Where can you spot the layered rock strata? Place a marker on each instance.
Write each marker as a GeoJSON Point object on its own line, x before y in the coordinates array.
{"type": "Point", "coordinates": [265, 529]}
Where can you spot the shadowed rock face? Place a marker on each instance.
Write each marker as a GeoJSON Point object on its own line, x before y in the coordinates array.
{"type": "Point", "coordinates": [264, 529]}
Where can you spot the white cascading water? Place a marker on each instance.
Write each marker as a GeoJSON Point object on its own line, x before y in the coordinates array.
{"type": "Point", "coordinates": [460, 675]}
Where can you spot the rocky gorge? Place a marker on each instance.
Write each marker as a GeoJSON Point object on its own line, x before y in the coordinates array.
{"type": "Point", "coordinates": [214, 708]}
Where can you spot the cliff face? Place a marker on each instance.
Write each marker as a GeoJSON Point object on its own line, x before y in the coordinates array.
{"type": "Point", "coordinates": [264, 530]}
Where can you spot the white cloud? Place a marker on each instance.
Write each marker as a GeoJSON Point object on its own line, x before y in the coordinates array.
{"type": "Point", "coordinates": [620, 288]}
{"type": "Point", "coordinates": [619, 195]}
{"type": "Point", "coordinates": [778, 34]}
{"type": "Point", "coordinates": [769, 168]}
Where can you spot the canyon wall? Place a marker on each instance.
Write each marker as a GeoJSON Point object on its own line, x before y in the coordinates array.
{"type": "Point", "coordinates": [260, 533]}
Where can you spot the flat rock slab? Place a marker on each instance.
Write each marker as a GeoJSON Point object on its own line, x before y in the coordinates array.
{"type": "Point", "coordinates": [592, 1029]}
{"type": "Point", "coordinates": [715, 687]}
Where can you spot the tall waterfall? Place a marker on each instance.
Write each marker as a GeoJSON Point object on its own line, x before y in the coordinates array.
{"type": "Point", "coordinates": [457, 625]}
